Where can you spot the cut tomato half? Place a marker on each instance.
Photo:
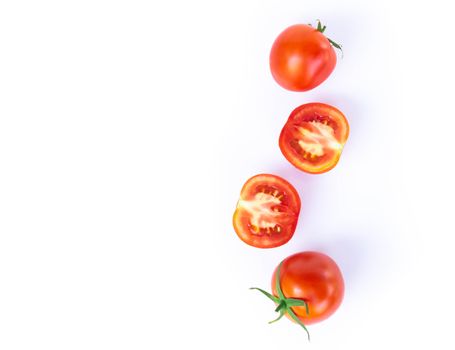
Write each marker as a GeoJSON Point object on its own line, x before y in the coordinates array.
{"type": "Point", "coordinates": [313, 137]}
{"type": "Point", "coordinates": [267, 211]}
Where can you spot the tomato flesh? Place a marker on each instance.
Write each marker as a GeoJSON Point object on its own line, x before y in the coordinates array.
{"type": "Point", "coordinates": [267, 211]}
{"type": "Point", "coordinates": [315, 278]}
{"type": "Point", "coordinates": [313, 137]}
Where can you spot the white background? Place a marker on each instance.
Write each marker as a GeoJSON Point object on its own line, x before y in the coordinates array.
{"type": "Point", "coordinates": [127, 129]}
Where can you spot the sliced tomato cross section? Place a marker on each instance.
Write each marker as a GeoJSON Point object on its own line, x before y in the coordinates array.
{"type": "Point", "coordinates": [313, 137]}
{"type": "Point", "coordinates": [267, 211]}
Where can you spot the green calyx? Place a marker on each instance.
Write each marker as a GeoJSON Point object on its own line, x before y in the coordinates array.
{"type": "Point", "coordinates": [320, 28]}
{"type": "Point", "coordinates": [285, 304]}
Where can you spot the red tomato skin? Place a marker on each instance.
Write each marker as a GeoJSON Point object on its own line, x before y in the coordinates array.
{"type": "Point", "coordinates": [301, 58]}
{"type": "Point", "coordinates": [291, 200]}
{"type": "Point", "coordinates": [315, 278]}
{"type": "Point", "coordinates": [305, 111]}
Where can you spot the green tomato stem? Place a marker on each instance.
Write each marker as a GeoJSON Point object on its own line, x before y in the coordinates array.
{"type": "Point", "coordinates": [284, 305]}
{"type": "Point", "coordinates": [320, 28]}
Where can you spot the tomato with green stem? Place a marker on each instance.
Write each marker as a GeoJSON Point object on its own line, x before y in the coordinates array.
{"type": "Point", "coordinates": [307, 287]}
{"type": "Point", "coordinates": [302, 57]}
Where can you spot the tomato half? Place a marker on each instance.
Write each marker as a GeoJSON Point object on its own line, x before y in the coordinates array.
{"type": "Point", "coordinates": [313, 137]}
{"type": "Point", "coordinates": [314, 278]}
{"type": "Point", "coordinates": [301, 57]}
{"type": "Point", "coordinates": [267, 211]}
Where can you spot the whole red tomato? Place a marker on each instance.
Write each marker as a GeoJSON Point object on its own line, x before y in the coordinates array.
{"type": "Point", "coordinates": [307, 287]}
{"type": "Point", "coordinates": [302, 57]}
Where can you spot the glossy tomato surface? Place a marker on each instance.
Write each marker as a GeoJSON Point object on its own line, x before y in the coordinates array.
{"type": "Point", "coordinates": [313, 137]}
{"type": "Point", "coordinates": [267, 211]}
{"type": "Point", "coordinates": [315, 278]}
{"type": "Point", "coordinates": [301, 58]}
